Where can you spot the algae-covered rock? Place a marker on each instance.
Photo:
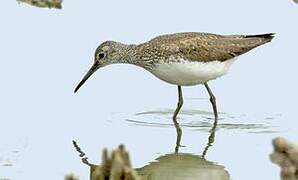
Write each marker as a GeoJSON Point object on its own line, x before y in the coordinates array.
{"type": "Point", "coordinates": [286, 156]}
{"type": "Point", "coordinates": [44, 3]}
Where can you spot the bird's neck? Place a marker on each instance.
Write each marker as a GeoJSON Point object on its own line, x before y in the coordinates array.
{"type": "Point", "coordinates": [131, 56]}
{"type": "Point", "coordinates": [126, 53]}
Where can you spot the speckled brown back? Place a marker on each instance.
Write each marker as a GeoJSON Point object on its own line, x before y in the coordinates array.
{"type": "Point", "coordinates": [203, 47]}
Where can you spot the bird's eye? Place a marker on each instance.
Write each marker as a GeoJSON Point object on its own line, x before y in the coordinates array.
{"type": "Point", "coordinates": [101, 55]}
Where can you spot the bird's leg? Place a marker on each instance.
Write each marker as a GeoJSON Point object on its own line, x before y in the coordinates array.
{"type": "Point", "coordinates": [212, 100]}
{"type": "Point", "coordinates": [179, 104]}
{"type": "Point", "coordinates": [178, 129]}
{"type": "Point", "coordinates": [211, 138]}
{"type": "Point", "coordinates": [179, 135]}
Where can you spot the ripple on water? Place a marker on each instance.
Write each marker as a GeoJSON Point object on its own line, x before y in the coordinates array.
{"type": "Point", "coordinates": [202, 121]}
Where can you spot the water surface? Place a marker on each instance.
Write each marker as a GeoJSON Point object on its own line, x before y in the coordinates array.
{"type": "Point", "coordinates": [46, 52]}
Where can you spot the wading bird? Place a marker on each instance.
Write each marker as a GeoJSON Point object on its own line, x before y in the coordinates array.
{"type": "Point", "coordinates": [182, 59]}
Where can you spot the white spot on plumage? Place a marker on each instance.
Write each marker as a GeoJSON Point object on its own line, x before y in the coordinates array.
{"type": "Point", "coordinates": [188, 73]}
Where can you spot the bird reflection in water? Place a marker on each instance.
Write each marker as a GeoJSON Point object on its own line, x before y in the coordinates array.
{"type": "Point", "coordinates": [186, 166]}
{"type": "Point", "coordinates": [211, 137]}
{"type": "Point", "coordinates": [177, 165]}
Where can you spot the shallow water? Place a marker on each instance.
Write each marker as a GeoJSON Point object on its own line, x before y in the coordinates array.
{"type": "Point", "coordinates": [234, 148]}
{"type": "Point", "coordinates": [46, 52]}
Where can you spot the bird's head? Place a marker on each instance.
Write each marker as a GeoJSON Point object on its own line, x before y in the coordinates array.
{"type": "Point", "coordinates": [108, 52]}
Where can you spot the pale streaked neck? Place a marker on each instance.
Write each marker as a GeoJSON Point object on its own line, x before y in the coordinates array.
{"type": "Point", "coordinates": [126, 53]}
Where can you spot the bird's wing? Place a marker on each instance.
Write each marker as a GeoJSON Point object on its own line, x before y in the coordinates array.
{"type": "Point", "coordinates": [204, 47]}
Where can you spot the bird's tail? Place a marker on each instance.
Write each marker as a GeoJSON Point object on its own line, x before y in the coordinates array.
{"type": "Point", "coordinates": [265, 37]}
{"type": "Point", "coordinates": [245, 43]}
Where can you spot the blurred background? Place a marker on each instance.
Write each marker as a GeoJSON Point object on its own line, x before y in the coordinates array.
{"type": "Point", "coordinates": [45, 53]}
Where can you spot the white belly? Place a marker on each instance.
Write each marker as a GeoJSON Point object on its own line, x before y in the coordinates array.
{"type": "Point", "coordinates": [187, 73]}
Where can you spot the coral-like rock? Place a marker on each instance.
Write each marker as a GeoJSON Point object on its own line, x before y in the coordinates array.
{"type": "Point", "coordinates": [114, 166]}
{"type": "Point", "coordinates": [44, 3]}
{"type": "Point", "coordinates": [286, 156]}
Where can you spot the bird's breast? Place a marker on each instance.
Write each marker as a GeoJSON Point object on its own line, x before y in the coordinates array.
{"type": "Point", "coordinates": [189, 73]}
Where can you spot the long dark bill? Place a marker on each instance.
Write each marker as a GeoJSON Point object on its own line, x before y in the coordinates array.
{"type": "Point", "coordinates": [88, 74]}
